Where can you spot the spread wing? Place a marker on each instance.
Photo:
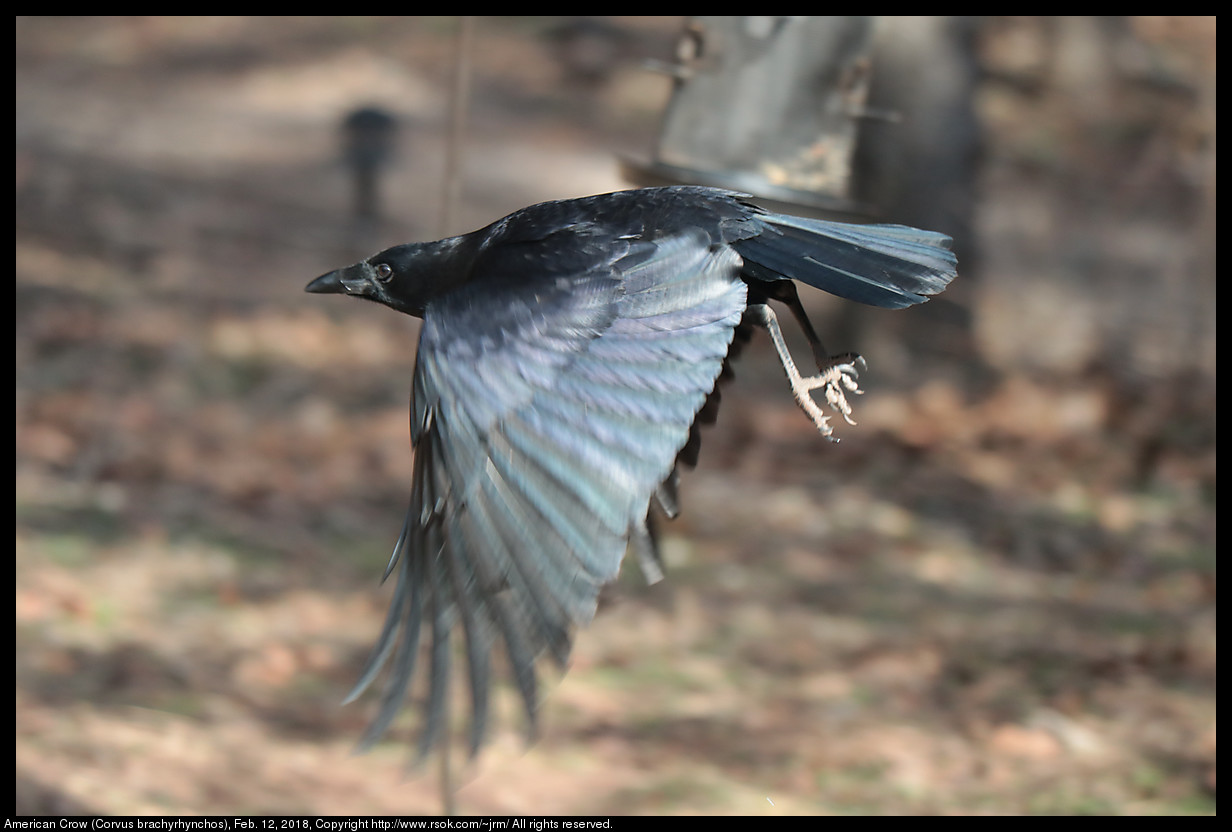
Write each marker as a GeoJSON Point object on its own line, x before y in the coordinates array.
{"type": "Point", "coordinates": [546, 411]}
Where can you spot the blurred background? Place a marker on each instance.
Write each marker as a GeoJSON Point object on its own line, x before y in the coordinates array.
{"type": "Point", "coordinates": [995, 595]}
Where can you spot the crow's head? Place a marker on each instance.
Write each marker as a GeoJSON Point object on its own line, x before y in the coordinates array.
{"type": "Point", "coordinates": [404, 277]}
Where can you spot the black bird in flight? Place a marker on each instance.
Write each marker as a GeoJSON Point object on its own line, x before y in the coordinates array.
{"type": "Point", "coordinates": [567, 354]}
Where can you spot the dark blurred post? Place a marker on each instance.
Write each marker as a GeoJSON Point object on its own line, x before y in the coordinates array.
{"type": "Point", "coordinates": [920, 169]}
{"type": "Point", "coordinates": [368, 140]}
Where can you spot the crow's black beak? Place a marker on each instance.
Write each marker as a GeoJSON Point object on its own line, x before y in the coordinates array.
{"type": "Point", "coordinates": [327, 284]}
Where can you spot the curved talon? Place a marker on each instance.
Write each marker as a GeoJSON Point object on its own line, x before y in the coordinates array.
{"type": "Point", "coordinates": [841, 376]}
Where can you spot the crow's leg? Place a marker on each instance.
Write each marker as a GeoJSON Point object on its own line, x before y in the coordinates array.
{"type": "Point", "coordinates": [784, 291]}
{"type": "Point", "coordinates": [837, 379]}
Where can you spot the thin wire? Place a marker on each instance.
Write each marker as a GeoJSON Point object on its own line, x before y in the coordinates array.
{"type": "Point", "coordinates": [459, 103]}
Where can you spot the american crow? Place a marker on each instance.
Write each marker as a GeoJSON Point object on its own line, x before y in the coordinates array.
{"type": "Point", "coordinates": [567, 353]}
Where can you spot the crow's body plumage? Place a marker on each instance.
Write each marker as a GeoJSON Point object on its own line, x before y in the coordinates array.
{"type": "Point", "coordinates": [567, 353]}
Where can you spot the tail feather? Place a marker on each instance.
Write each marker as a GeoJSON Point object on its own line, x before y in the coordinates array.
{"type": "Point", "coordinates": [890, 266]}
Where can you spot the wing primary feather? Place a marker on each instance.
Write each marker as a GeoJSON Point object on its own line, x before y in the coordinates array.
{"type": "Point", "coordinates": [399, 545]}
{"type": "Point", "coordinates": [647, 551]}
{"type": "Point", "coordinates": [538, 624]}
{"type": "Point", "coordinates": [466, 589]}
{"type": "Point", "coordinates": [522, 662]}
{"type": "Point", "coordinates": [666, 494]}
{"type": "Point", "coordinates": [544, 612]}
{"type": "Point", "coordinates": [389, 632]}
{"type": "Point", "coordinates": [591, 497]}
{"type": "Point", "coordinates": [403, 670]}
{"type": "Point", "coordinates": [442, 613]}
{"type": "Point", "coordinates": [549, 558]}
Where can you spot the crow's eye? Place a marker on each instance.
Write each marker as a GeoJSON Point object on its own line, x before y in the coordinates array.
{"type": "Point", "coordinates": [384, 272]}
